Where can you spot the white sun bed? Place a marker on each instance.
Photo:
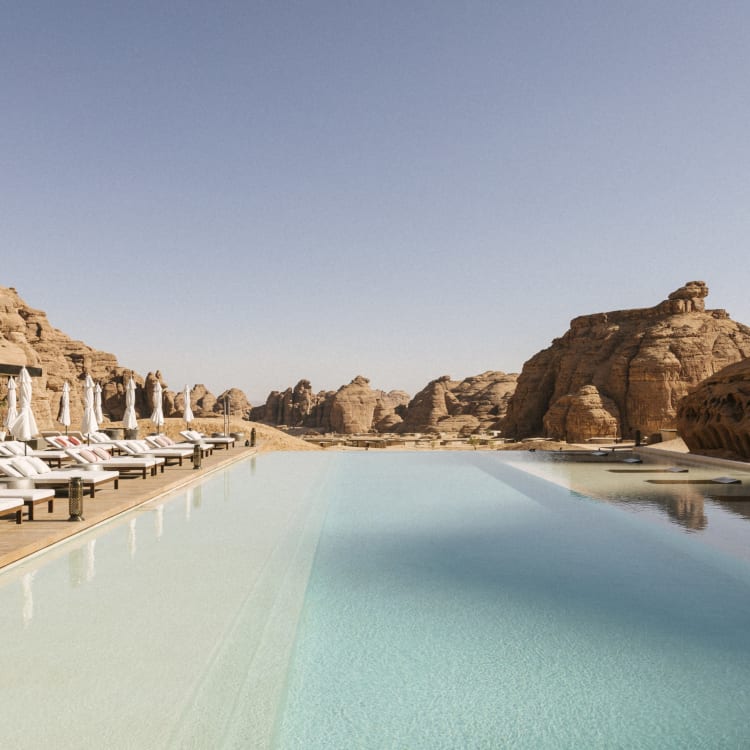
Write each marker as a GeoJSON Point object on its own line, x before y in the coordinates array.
{"type": "Point", "coordinates": [26, 467]}
{"type": "Point", "coordinates": [30, 498]}
{"type": "Point", "coordinates": [219, 442]}
{"type": "Point", "coordinates": [142, 448]}
{"type": "Point", "coordinates": [96, 456]}
{"type": "Point", "coordinates": [10, 505]}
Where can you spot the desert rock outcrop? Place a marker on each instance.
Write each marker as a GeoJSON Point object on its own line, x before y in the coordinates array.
{"type": "Point", "coordinates": [27, 338]}
{"type": "Point", "coordinates": [714, 418]}
{"type": "Point", "coordinates": [452, 406]}
{"type": "Point", "coordinates": [616, 373]}
{"type": "Point", "coordinates": [471, 405]}
{"type": "Point", "coordinates": [354, 408]}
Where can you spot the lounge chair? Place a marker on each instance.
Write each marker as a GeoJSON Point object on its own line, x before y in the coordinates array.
{"type": "Point", "coordinates": [219, 442]}
{"type": "Point", "coordinates": [13, 448]}
{"type": "Point", "coordinates": [10, 505]}
{"type": "Point", "coordinates": [31, 467]}
{"type": "Point", "coordinates": [142, 448]}
{"type": "Point", "coordinates": [163, 441]}
{"type": "Point", "coordinates": [96, 456]}
{"type": "Point", "coordinates": [30, 498]}
{"type": "Point", "coordinates": [71, 441]}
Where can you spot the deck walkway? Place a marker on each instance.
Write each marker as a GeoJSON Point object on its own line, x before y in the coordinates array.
{"type": "Point", "coordinates": [17, 542]}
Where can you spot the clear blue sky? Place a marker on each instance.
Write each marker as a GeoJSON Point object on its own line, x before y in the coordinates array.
{"type": "Point", "coordinates": [248, 193]}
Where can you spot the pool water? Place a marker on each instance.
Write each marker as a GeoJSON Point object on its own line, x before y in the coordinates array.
{"type": "Point", "coordinates": [394, 600]}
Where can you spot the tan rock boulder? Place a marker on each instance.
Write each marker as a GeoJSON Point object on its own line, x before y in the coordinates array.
{"type": "Point", "coordinates": [577, 417]}
{"type": "Point", "coordinates": [237, 402]}
{"type": "Point", "coordinates": [483, 397]}
{"type": "Point", "coordinates": [353, 407]}
{"type": "Point", "coordinates": [432, 404]}
{"type": "Point", "coordinates": [389, 409]}
{"type": "Point", "coordinates": [642, 360]}
{"type": "Point", "coordinates": [714, 418]}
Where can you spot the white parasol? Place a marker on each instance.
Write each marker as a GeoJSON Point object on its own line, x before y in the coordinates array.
{"type": "Point", "coordinates": [63, 416]}
{"type": "Point", "coordinates": [129, 420]}
{"type": "Point", "coordinates": [10, 417]}
{"type": "Point", "coordinates": [24, 425]}
{"type": "Point", "coordinates": [187, 414]}
{"type": "Point", "coordinates": [89, 423]}
{"type": "Point", "coordinates": [98, 404]}
{"type": "Point", "coordinates": [157, 416]}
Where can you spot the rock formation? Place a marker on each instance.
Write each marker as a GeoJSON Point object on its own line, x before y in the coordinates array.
{"type": "Point", "coordinates": [475, 404]}
{"type": "Point", "coordinates": [616, 373]}
{"type": "Point", "coordinates": [714, 418]}
{"type": "Point", "coordinates": [27, 338]}
{"type": "Point", "coordinates": [353, 408]}
{"type": "Point", "coordinates": [444, 405]}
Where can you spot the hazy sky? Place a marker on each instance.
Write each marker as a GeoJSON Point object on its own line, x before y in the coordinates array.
{"type": "Point", "coordinates": [248, 193]}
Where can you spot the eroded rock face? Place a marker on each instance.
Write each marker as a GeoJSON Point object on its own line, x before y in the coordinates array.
{"type": "Point", "coordinates": [471, 405]}
{"type": "Point", "coordinates": [353, 408]}
{"type": "Point", "coordinates": [27, 338]}
{"type": "Point", "coordinates": [714, 418]}
{"type": "Point", "coordinates": [639, 362]}
{"type": "Point", "coordinates": [576, 417]}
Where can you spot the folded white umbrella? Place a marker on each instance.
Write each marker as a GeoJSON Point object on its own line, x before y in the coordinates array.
{"type": "Point", "coordinates": [63, 416]}
{"type": "Point", "coordinates": [89, 423]}
{"type": "Point", "coordinates": [187, 414]}
{"type": "Point", "coordinates": [157, 416]}
{"type": "Point", "coordinates": [10, 417]}
{"type": "Point", "coordinates": [24, 425]}
{"type": "Point", "coordinates": [98, 403]}
{"type": "Point", "coordinates": [129, 420]}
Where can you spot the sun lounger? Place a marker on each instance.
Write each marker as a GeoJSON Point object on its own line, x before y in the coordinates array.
{"type": "Point", "coordinates": [70, 441]}
{"type": "Point", "coordinates": [142, 448]}
{"type": "Point", "coordinates": [30, 498]}
{"type": "Point", "coordinates": [96, 456]}
{"type": "Point", "coordinates": [13, 448]}
{"type": "Point", "coordinates": [219, 442]}
{"type": "Point", "coordinates": [30, 467]}
{"type": "Point", "coordinates": [163, 441]}
{"type": "Point", "coordinates": [10, 505]}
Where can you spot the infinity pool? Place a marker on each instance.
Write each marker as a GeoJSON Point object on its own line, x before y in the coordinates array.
{"type": "Point", "coordinates": [394, 600]}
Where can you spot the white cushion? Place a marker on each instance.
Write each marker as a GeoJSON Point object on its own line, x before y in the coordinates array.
{"type": "Point", "coordinates": [9, 470]}
{"type": "Point", "coordinates": [23, 465]}
{"type": "Point", "coordinates": [39, 465]}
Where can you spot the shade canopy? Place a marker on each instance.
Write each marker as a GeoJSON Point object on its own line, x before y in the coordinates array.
{"type": "Point", "coordinates": [157, 416]}
{"type": "Point", "coordinates": [24, 426]}
{"type": "Point", "coordinates": [89, 423]}
{"type": "Point", "coordinates": [187, 414]}
{"type": "Point", "coordinates": [10, 417]}
{"type": "Point", "coordinates": [63, 415]}
{"type": "Point", "coordinates": [98, 403]}
{"type": "Point", "coordinates": [129, 419]}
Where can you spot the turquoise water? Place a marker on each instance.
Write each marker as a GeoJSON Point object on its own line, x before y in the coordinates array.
{"type": "Point", "coordinates": [457, 603]}
{"type": "Point", "coordinates": [387, 600]}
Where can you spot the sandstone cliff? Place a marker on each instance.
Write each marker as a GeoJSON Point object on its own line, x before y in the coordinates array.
{"type": "Point", "coordinates": [475, 404]}
{"type": "Point", "coordinates": [27, 338]}
{"type": "Point", "coordinates": [714, 418]}
{"type": "Point", "coordinates": [617, 372]}
{"type": "Point", "coordinates": [444, 405]}
{"type": "Point", "coordinates": [353, 408]}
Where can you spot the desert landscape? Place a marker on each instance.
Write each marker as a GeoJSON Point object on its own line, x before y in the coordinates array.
{"type": "Point", "coordinates": [612, 376]}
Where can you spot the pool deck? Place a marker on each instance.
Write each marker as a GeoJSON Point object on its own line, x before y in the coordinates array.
{"type": "Point", "coordinates": [20, 541]}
